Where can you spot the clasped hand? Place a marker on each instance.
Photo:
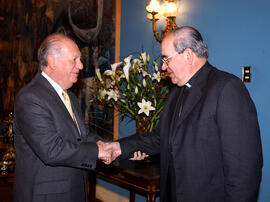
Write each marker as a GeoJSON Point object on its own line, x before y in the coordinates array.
{"type": "Point", "coordinates": [108, 152]}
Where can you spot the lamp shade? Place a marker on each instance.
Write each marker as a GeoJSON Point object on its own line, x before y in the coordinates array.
{"type": "Point", "coordinates": [170, 9]}
{"type": "Point", "coordinates": [153, 6]}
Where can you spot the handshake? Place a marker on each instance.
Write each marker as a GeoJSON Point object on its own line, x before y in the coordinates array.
{"type": "Point", "coordinates": [109, 151]}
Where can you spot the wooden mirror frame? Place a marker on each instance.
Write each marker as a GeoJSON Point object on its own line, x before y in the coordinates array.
{"type": "Point", "coordinates": [117, 59]}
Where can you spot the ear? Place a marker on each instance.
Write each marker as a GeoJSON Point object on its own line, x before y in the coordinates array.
{"type": "Point", "coordinates": [188, 54]}
{"type": "Point", "coordinates": [51, 60]}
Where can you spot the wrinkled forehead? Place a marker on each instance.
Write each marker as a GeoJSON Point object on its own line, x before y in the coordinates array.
{"type": "Point", "coordinates": [167, 45]}
{"type": "Point", "coordinates": [71, 47]}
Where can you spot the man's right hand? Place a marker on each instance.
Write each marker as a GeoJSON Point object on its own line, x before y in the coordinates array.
{"type": "Point", "coordinates": [115, 149]}
{"type": "Point", "coordinates": [106, 155]}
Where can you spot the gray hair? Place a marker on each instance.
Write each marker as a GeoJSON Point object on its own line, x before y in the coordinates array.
{"type": "Point", "coordinates": [189, 37]}
{"type": "Point", "coordinates": [52, 45]}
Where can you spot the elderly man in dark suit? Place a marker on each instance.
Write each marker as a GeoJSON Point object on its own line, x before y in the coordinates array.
{"type": "Point", "coordinates": [53, 146]}
{"type": "Point", "coordinates": [208, 134]}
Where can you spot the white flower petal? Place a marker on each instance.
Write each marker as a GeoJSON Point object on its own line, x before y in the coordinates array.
{"type": "Point", "coordinates": [108, 72]}
{"type": "Point", "coordinates": [145, 107]}
{"type": "Point", "coordinates": [115, 65]}
{"type": "Point", "coordinates": [112, 95]}
{"type": "Point", "coordinates": [126, 70]}
{"type": "Point", "coordinates": [156, 76]}
{"type": "Point", "coordinates": [143, 55]}
{"type": "Point", "coordinates": [127, 59]}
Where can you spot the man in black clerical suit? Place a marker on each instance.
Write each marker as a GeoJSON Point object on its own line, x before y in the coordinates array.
{"type": "Point", "coordinates": [53, 146]}
{"type": "Point", "coordinates": [208, 134]}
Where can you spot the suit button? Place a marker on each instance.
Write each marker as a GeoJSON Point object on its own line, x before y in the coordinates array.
{"type": "Point", "coordinates": [79, 139]}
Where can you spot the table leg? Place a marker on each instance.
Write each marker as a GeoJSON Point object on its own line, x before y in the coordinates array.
{"type": "Point", "coordinates": [131, 196]}
{"type": "Point", "coordinates": [150, 198]}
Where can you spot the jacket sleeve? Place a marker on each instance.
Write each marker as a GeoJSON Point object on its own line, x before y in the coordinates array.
{"type": "Point", "coordinates": [48, 134]}
{"type": "Point", "coordinates": [148, 143]}
{"type": "Point", "coordinates": [240, 143]}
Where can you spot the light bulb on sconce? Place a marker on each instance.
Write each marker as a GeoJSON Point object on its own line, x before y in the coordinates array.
{"type": "Point", "coordinates": [156, 10]}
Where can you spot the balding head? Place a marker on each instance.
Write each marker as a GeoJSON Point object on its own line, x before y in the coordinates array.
{"type": "Point", "coordinates": [53, 45]}
{"type": "Point", "coordinates": [60, 58]}
{"type": "Point", "coordinates": [188, 37]}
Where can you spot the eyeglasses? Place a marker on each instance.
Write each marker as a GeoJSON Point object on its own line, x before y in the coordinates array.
{"type": "Point", "coordinates": [165, 60]}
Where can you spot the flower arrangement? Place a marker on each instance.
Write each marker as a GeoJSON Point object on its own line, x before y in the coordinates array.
{"type": "Point", "coordinates": [136, 86]}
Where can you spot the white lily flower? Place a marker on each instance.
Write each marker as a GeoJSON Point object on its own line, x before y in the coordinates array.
{"type": "Point", "coordinates": [112, 95]}
{"type": "Point", "coordinates": [115, 65]}
{"type": "Point", "coordinates": [127, 66]}
{"type": "Point", "coordinates": [145, 107]}
{"type": "Point", "coordinates": [156, 76]}
{"type": "Point", "coordinates": [143, 55]}
{"type": "Point", "coordinates": [108, 72]}
{"type": "Point", "coordinates": [127, 59]}
{"type": "Point", "coordinates": [126, 70]}
{"type": "Point", "coordinates": [112, 71]}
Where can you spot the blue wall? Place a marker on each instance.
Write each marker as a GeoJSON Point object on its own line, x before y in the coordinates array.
{"type": "Point", "coordinates": [237, 34]}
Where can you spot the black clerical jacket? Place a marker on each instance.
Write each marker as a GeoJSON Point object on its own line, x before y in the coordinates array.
{"type": "Point", "coordinates": [215, 144]}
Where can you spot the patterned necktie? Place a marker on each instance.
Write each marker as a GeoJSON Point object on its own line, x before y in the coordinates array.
{"type": "Point", "coordinates": [69, 108]}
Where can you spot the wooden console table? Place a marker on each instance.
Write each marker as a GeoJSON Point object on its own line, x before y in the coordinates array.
{"type": "Point", "coordinates": [138, 177]}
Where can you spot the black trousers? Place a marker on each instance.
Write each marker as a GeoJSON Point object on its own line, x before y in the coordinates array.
{"type": "Point", "coordinates": [171, 183]}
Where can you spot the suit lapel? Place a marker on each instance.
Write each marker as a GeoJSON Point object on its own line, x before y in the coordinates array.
{"type": "Point", "coordinates": [77, 114]}
{"type": "Point", "coordinates": [57, 100]}
{"type": "Point", "coordinates": [192, 98]}
{"type": "Point", "coordinates": [174, 108]}
{"type": "Point", "coordinates": [194, 94]}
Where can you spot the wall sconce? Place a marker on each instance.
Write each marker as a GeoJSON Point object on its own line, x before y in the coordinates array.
{"type": "Point", "coordinates": [156, 10]}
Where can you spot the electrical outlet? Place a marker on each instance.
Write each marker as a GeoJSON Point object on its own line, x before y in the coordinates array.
{"type": "Point", "coordinates": [246, 73]}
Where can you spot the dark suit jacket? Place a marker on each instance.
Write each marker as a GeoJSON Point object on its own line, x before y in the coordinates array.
{"type": "Point", "coordinates": [215, 144]}
{"type": "Point", "coordinates": [51, 155]}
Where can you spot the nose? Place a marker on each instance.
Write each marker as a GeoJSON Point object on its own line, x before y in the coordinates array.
{"type": "Point", "coordinates": [80, 65]}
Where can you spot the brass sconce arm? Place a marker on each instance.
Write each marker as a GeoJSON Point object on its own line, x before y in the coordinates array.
{"type": "Point", "coordinates": [154, 26]}
{"type": "Point", "coordinates": [169, 10]}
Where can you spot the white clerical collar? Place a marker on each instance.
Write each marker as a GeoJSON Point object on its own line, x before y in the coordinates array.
{"type": "Point", "coordinates": [188, 85]}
